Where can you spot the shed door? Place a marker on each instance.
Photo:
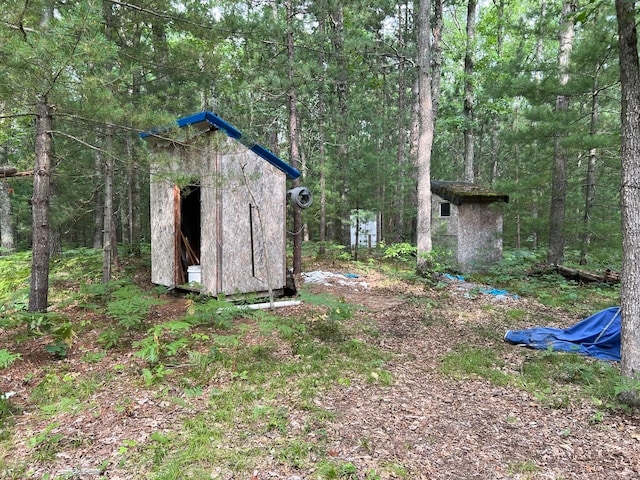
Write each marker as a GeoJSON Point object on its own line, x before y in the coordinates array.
{"type": "Point", "coordinates": [189, 234]}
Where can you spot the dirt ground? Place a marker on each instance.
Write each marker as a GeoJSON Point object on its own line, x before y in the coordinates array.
{"type": "Point", "coordinates": [429, 426]}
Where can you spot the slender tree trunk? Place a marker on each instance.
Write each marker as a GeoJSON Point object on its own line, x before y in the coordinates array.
{"type": "Point", "coordinates": [98, 212]}
{"type": "Point", "coordinates": [469, 92]}
{"type": "Point", "coordinates": [534, 209]}
{"type": "Point", "coordinates": [107, 240]}
{"type": "Point", "coordinates": [294, 152]}
{"type": "Point", "coordinates": [396, 219]}
{"type": "Point", "coordinates": [425, 136]}
{"type": "Point", "coordinates": [322, 153]}
{"type": "Point", "coordinates": [630, 194]}
{"type": "Point", "coordinates": [7, 232]}
{"type": "Point", "coordinates": [559, 180]}
{"type": "Point", "coordinates": [134, 199]}
{"type": "Point", "coordinates": [516, 155]}
{"type": "Point", "coordinates": [39, 291]}
{"type": "Point", "coordinates": [590, 183]}
{"type": "Point", "coordinates": [342, 222]}
{"type": "Point", "coordinates": [436, 56]}
{"type": "Point", "coordinates": [495, 119]}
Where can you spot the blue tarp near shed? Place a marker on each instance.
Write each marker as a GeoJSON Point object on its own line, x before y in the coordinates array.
{"type": "Point", "coordinates": [597, 336]}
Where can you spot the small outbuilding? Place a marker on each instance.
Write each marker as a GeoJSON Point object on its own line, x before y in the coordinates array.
{"type": "Point", "coordinates": [466, 222]}
{"type": "Point", "coordinates": [218, 210]}
{"type": "Point", "coordinates": [364, 228]}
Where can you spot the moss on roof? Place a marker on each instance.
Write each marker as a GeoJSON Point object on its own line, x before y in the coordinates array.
{"type": "Point", "coordinates": [466, 192]}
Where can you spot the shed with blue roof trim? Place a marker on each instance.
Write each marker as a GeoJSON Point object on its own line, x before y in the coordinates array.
{"type": "Point", "coordinates": [218, 209]}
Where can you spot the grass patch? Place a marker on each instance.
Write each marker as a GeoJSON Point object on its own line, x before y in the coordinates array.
{"type": "Point", "coordinates": [466, 362]}
{"type": "Point", "coordinates": [251, 383]}
{"type": "Point", "coordinates": [555, 379]}
{"type": "Point", "coordinates": [266, 409]}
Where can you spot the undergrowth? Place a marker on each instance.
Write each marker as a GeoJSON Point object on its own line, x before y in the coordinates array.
{"type": "Point", "coordinates": [555, 379]}
{"type": "Point", "coordinates": [251, 380]}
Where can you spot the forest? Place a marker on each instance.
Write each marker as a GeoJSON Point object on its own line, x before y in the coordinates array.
{"type": "Point", "coordinates": [330, 87]}
{"type": "Point", "coordinates": [385, 371]}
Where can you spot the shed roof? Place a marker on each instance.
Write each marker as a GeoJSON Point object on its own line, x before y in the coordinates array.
{"type": "Point", "coordinates": [465, 192]}
{"type": "Point", "coordinates": [207, 121]}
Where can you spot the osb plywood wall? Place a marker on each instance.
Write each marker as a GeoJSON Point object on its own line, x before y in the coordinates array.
{"type": "Point", "coordinates": [162, 229]}
{"type": "Point", "coordinates": [243, 216]}
{"type": "Point", "coordinates": [253, 227]}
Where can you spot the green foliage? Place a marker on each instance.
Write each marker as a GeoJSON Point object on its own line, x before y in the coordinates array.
{"type": "Point", "coordinates": [64, 387]}
{"type": "Point", "coordinates": [403, 252]}
{"type": "Point", "coordinates": [467, 361]}
{"type": "Point", "coordinates": [111, 337]}
{"type": "Point", "coordinates": [15, 271]}
{"type": "Point", "coordinates": [63, 335]}
{"type": "Point", "coordinates": [214, 311]}
{"type": "Point", "coordinates": [46, 444]}
{"type": "Point", "coordinates": [7, 358]}
{"type": "Point", "coordinates": [163, 341]}
{"type": "Point", "coordinates": [129, 305]}
{"type": "Point", "coordinates": [437, 261]}
{"type": "Point", "coordinates": [331, 470]}
{"type": "Point", "coordinates": [553, 378]}
{"type": "Point", "coordinates": [516, 273]}
{"type": "Point", "coordinates": [337, 252]}
{"type": "Point", "coordinates": [53, 324]}
{"type": "Point", "coordinates": [154, 376]}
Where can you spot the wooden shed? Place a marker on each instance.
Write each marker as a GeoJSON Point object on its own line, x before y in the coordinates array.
{"type": "Point", "coordinates": [218, 210]}
{"type": "Point", "coordinates": [465, 221]}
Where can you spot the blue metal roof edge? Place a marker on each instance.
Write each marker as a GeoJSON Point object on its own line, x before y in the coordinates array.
{"type": "Point", "coordinates": [237, 135]}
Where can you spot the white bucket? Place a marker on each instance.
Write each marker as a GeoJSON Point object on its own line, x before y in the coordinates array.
{"type": "Point", "coordinates": [194, 273]}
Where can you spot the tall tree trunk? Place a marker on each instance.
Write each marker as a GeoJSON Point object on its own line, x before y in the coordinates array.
{"type": "Point", "coordinates": [98, 212]}
{"type": "Point", "coordinates": [495, 119]}
{"type": "Point", "coordinates": [559, 180]}
{"type": "Point", "coordinates": [436, 57]}
{"type": "Point", "coordinates": [134, 200]}
{"type": "Point", "coordinates": [7, 233]}
{"type": "Point", "coordinates": [342, 222]}
{"type": "Point", "coordinates": [425, 136]}
{"type": "Point", "coordinates": [322, 153]}
{"type": "Point", "coordinates": [630, 194]}
{"type": "Point", "coordinates": [534, 210]}
{"type": "Point", "coordinates": [294, 152]}
{"type": "Point", "coordinates": [516, 158]}
{"type": "Point", "coordinates": [107, 239]}
{"type": "Point", "coordinates": [590, 183]}
{"type": "Point", "coordinates": [469, 91]}
{"type": "Point", "coordinates": [396, 220]}
{"type": "Point", "coordinates": [39, 291]}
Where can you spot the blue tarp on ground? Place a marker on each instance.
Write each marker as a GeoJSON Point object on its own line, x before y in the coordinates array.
{"type": "Point", "coordinates": [597, 336]}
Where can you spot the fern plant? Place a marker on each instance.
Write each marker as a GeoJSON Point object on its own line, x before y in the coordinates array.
{"type": "Point", "coordinates": [216, 311]}
{"type": "Point", "coordinates": [130, 307]}
{"type": "Point", "coordinates": [164, 340]}
{"type": "Point", "coordinates": [7, 358]}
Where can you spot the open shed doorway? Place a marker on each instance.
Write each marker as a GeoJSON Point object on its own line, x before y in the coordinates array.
{"type": "Point", "coordinates": [190, 229]}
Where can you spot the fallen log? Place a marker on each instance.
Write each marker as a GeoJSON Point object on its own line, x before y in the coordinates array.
{"type": "Point", "coordinates": [609, 276]}
{"type": "Point", "coordinates": [8, 172]}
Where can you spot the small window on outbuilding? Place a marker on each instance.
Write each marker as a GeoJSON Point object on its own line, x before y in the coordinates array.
{"type": "Point", "coordinates": [445, 209]}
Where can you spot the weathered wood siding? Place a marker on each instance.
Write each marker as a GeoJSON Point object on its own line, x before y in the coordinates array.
{"type": "Point", "coordinates": [243, 217]}
{"type": "Point", "coordinates": [480, 241]}
{"type": "Point", "coordinates": [162, 228]}
{"type": "Point", "coordinates": [444, 230]}
{"type": "Point", "coordinates": [253, 224]}
{"type": "Point", "coordinates": [473, 232]}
